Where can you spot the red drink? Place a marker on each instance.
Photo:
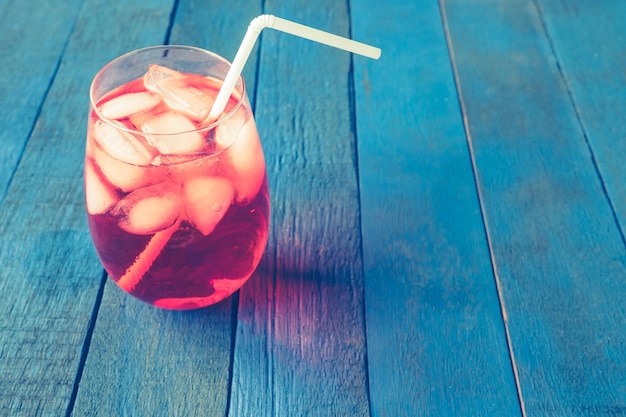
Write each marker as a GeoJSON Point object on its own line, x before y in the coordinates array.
{"type": "Point", "coordinates": [178, 205]}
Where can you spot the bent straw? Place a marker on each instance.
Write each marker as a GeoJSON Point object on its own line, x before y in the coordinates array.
{"type": "Point", "coordinates": [270, 21]}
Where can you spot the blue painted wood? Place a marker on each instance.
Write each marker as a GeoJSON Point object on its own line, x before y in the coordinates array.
{"type": "Point", "coordinates": [217, 27]}
{"type": "Point", "coordinates": [144, 361]}
{"type": "Point", "coordinates": [435, 334]}
{"type": "Point", "coordinates": [548, 170]}
{"type": "Point", "coordinates": [589, 39]}
{"type": "Point", "coordinates": [50, 276]}
{"type": "Point", "coordinates": [300, 345]}
{"type": "Point", "coordinates": [559, 253]}
{"type": "Point", "coordinates": [29, 60]}
{"type": "Point", "coordinates": [148, 362]}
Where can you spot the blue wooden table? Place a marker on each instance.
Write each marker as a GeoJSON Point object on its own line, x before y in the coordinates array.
{"type": "Point", "coordinates": [447, 222]}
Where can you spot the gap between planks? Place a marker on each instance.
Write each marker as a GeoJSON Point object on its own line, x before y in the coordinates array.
{"type": "Point", "coordinates": [470, 147]}
{"type": "Point", "coordinates": [579, 119]}
{"type": "Point", "coordinates": [86, 344]}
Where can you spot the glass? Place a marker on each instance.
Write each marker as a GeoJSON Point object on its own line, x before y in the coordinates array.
{"type": "Point", "coordinates": [177, 205]}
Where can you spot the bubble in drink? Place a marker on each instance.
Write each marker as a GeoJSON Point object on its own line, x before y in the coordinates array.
{"type": "Point", "coordinates": [179, 218]}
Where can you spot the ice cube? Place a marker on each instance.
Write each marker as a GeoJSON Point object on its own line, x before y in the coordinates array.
{"type": "Point", "coordinates": [179, 94]}
{"type": "Point", "coordinates": [129, 104]}
{"type": "Point", "coordinates": [149, 209]}
{"type": "Point", "coordinates": [228, 130]}
{"type": "Point", "coordinates": [126, 177]}
{"type": "Point", "coordinates": [121, 145]}
{"type": "Point", "coordinates": [207, 199]}
{"type": "Point", "coordinates": [181, 168]}
{"type": "Point", "coordinates": [173, 159]}
{"type": "Point", "coordinates": [157, 73]}
{"type": "Point", "coordinates": [99, 196]}
{"type": "Point", "coordinates": [163, 134]}
{"type": "Point", "coordinates": [137, 119]}
{"type": "Point", "coordinates": [248, 163]}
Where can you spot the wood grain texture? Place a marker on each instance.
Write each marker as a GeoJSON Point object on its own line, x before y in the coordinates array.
{"type": "Point", "coordinates": [50, 276]}
{"type": "Point", "coordinates": [149, 362]}
{"type": "Point", "coordinates": [376, 295]}
{"type": "Point", "coordinates": [589, 40]}
{"type": "Point", "coordinates": [144, 361]}
{"type": "Point", "coordinates": [29, 62]}
{"type": "Point", "coordinates": [559, 253]}
{"type": "Point", "coordinates": [435, 334]}
{"type": "Point", "coordinates": [219, 27]}
{"type": "Point", "coordinates": [300, 345]}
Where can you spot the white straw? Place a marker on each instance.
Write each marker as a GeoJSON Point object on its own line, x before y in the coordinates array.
{"type": "Point", "coordinates": [273, 22]}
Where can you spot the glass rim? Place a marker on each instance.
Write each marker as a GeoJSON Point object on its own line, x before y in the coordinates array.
{"type": "Point", "coordinates": [220, 120]}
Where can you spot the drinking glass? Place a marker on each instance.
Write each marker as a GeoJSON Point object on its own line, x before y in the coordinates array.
{"type": "Point", "coordinates": [177, 204]}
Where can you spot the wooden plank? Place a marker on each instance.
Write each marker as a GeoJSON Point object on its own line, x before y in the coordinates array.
{"type": "Point", "coordinates": [47, 290]}
{"type": "Point", "coordinates": [145, 361]}
{"type": "Point", "coordinates": [589, 39]}
{"type": "Point", "coordinates": [559, 253]}
{"type": "Point", "coordinates": [50, 276]}
{"type": "Point", "coordinates": [300, 346]}
{"type": "Point", "coordinates": [435, 334]}
{"type": "Point", "coordinates": [217, 27]}
{"type": "Point", "coordinates": [25, 77]}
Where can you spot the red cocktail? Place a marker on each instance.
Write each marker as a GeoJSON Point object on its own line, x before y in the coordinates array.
{"type": "Point", "coordinates": [177, 203]}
